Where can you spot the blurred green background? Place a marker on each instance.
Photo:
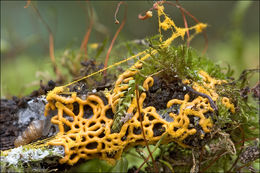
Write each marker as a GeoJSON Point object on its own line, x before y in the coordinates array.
{"type": "Point", "coordinates": [233, 34]}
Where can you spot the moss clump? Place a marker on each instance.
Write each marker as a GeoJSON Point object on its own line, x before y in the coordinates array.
{"type": "Point", "coordinates": [181, 63]}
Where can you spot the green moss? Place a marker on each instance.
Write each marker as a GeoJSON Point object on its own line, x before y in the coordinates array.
{"type": "Point", "coordinates": [246, 115]}
{"type": "Point", "coordinates": [123, 105]}
{"type": "Point", "coordinates": [183, 63]}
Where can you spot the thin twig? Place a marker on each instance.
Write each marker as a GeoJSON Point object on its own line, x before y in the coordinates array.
{"type": "Point", "coordinates": [200, 158]}
{"type": "Point", "coordinates": [212, 104]}
{"type": "Point", "coordinates": [51, 44]}
{"type": "Point", "coordinates": [243, 142]}
{"type": "Point", "coordinates": [247, 164]}
{"type": "Point", "coordinates": [185, 24]}
{"type": "Point", "coordinates": [141, 122]}
{"type": "Point", "coordinates": [86, 37]}
{"type": "Point", "coordinates": [116, 34]}
{"type": "Point", "coordinates": [156, 146]}
{"type": "Point", "coordinates": [213, 161]}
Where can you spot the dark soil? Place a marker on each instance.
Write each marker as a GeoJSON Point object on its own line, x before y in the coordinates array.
{"type": "Point", "coordinates": [161, 92]}
{"type": "Point", "coordinates": [8, 121]}
{"type": "Point", "coordinates": [43, 89]}
{"type": "Point", "coordinates": [9, 129]}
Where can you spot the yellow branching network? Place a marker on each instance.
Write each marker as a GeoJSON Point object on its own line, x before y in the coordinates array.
{"type": "Point", "coordinates": [85, 123]}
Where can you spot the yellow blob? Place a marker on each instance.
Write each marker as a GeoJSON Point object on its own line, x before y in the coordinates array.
{"type": "Point", "coordinates": [226, 102]}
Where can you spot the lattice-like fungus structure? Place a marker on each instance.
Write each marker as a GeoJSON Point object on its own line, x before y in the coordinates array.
{"type": "Point", "coordinates": [85, 123]}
